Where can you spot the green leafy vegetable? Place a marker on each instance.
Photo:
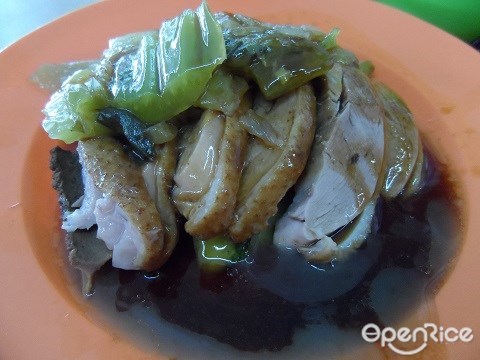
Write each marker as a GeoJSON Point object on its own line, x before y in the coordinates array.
{"type": "Point", "coordinates": [71, 112]}
{"type": "Point", "coordinates": [330, 40]}
{"type": "Point", "coordinates": [169, 73]}
{"type": "Point", "coordinates": [162, 132]}
{"type": "Point", "coordinates": [264, 238]}
{"type": "Point", "coordinates": [224, 92]}
{"type": "Point", "coordinates": [216, 253]}
{"type": "Point", "coordinates": [257, 126]}
{"type": "Point", "coordinates": [52, 76]}
{"type": "Point", "coordinates": [155, 76]}
{"type": "Point", "coordinates": [342, 56]}
{"type": "Point", "coordinates": [131, 130]}
{"type": "Point", "coordinates": [277, 58]}
{"type": "Point", "coordinates": [367, 67]}
{"type": "Point", "coordinates": [122, 45]}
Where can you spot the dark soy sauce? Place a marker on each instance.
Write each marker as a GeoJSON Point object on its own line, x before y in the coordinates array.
{"type": "Point", "coordinates": [276, 303]}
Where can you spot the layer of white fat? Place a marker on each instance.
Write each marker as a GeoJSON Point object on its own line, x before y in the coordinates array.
{"type": "Point", "coordinates": [114, 227]}
{"type": "Point", "coordinates": [331, 194]}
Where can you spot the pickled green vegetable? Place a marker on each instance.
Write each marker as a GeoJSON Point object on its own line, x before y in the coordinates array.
{"type": "Point", "coordinates": [224, 92]}
{"type": "Point", "coordinates": [168, 73]}
{"type": "Point", "coordinates": [162, 132]}
{"type": "Point", "coordinates": [155, 76]}
{"type": "Point", "coordinates": [135, 82]}
{"type": "Point", "coordinates": [214, 254]}
{"type": "Point", "coordinates": [257, 126]}
{"type": "Point", "coordinates": [343, 56]}
{"type": "Point", "coordinates": [52, 76]}
{"type": "Point", "coordinates": [125, 44]}
{"type": "Point", "coordinates": [264, 238]}
{"type": "Point", "coordinates": [71, 113]}
{"type": "Point", "coordinates": [367, 67]}
{"type": "Point", "coordinates": [130, 130]}
{"type": "Point", "coordinates": [277, 60]}
{"type": "Point", "coordinates": [330, 40]}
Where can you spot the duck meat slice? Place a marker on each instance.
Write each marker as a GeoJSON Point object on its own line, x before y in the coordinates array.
{"type": "Point", "coordinates": [269, 171]}
{"type": "Point", "coordinates": [347, 241]}
{"type": "Point", "coordinates": [85, 252]}
{"type": "Point", "coordinates": [158, 176]}
{"type": "Point", "coordinates": [345, 166]}
{"type": "Point", "coordinates": [402, 142]}
{"type": "Point", "coordinates": [424, 176]}
{"type": "Point", "coordinates": [88, 254]}
{"type": "Point", "coordinates": [208, 173]}
{"type": "Point", "coordinates": [117, 201]}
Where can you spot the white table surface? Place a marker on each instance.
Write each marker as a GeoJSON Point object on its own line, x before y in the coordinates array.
{"type": "Point", "coordinates": [20, 17]}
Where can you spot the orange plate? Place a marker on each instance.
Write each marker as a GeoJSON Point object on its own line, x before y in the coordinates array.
{"type": "Point", "coordinates": [437, 75]}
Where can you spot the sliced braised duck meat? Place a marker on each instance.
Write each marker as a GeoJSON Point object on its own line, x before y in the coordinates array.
{"type": "Point", "coordinates": [88, 254]}
{"type": "Point", "coordinates": [67, 178]}
{"type": "Point", "coordinates": [208, 173]}
{"type": "Point", "coordinates": [269, 171]}
{"type": "Point", "coordinates": [127, 219]}
{"type": "Point", "coordinates": [345, 166]}
{"type": "Point", "coordinates": [401, 142]}
{"type": "Point", "coordinates": [346, 242]}
{"type": "Point", "coordinates": [85, 252]}
{"type": "Point", "coordinates": [158, 176]}
{"type": "Point", "coordinates": [424, 174]}
{"type": "Point", "coordinates": [408, 167]}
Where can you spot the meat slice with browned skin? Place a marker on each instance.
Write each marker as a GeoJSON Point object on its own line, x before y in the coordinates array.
{"type": "Point", "coordinates": [269, 171]}
{"type": "Point", "coordinates": [208, 173]}
{"type": "Point", "coordinates": [402, 142]}
{"type": "Point", "coordinates": [85, 252]}
{"type": "Point", "coordinates": [344, 172]}
{"type": "Point", "coordinates": [158, 176]}
{"type": "Point", "coordinates": [128, 221]}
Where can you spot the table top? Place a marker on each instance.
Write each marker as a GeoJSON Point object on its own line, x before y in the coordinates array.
{"type": "Point", "coordinates": [18, 18]}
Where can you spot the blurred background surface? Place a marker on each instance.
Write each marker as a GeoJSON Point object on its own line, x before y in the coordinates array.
{"type": "Point", "coordinates": [20, 17]}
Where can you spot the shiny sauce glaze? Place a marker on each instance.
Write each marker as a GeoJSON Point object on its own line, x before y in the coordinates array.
{"type": "Point", "coordinates": [276, 300]}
